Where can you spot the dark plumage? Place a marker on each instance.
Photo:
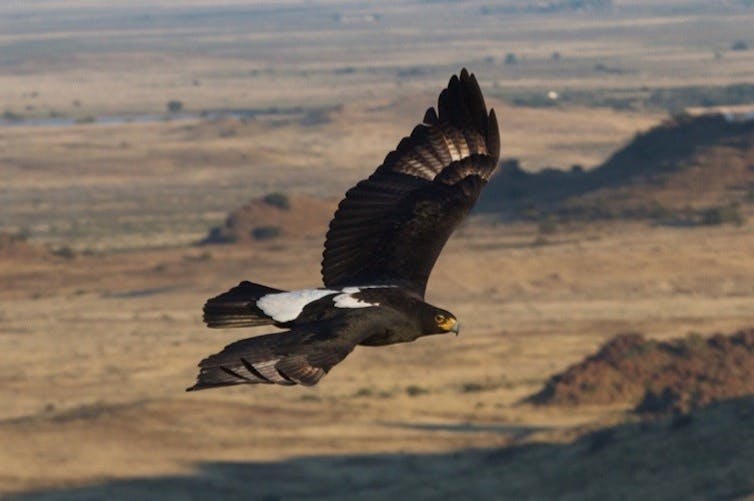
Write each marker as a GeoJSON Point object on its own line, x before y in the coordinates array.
{"type": "Point", "coordinates": [380, 249]}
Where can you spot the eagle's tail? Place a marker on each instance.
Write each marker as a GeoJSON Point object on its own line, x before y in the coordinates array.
{"type": "Point", "coordinates": [238, 307]}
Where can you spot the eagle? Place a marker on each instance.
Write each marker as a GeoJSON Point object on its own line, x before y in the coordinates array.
{"type": "Point", "coordinates": [380, 248]}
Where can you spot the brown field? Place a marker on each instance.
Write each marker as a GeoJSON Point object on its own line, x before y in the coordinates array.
{"type": "Point", "coordinates": [100, 311]}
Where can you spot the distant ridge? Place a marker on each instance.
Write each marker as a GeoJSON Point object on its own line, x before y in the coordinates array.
{"type": "Point", "coordinates": [672, 173]}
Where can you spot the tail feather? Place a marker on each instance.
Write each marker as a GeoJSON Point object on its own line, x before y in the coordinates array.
{"type": "Point", "coordinates": [237, 307]}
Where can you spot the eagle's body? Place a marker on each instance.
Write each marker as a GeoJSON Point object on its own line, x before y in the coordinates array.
{"type": "Point", "coordinates": [382, 244]}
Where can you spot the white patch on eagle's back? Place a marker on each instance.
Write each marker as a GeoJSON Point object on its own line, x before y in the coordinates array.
{"type": "Point", "coordinates": [355, 289]}
{"type": "Point", "coordinates": [287, 306]}
{"type": "Point", "coordinates": [348, 301]}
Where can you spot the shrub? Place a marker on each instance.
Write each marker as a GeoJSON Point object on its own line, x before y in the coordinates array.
{"type": "Point", "coordinates": [315, 117]}
{"type": "Point", "coordinates": [363, 392]}
{"type": "Point", "coordinates": [174, 106]}
{"type": "Point", "coordinates": [471, 387]}
{"type": "Point", "coordinates": [218, 235]}
{"type": "Point", "coordinates": [65, 252]}
{"type": "Point", "coordinates": [414, 390]}
{"type": "Point", "coordinates": [266, 232]}
{"type": "Point", "coordinates": [11, 116]}
{"type": "Point", "coordinates": [729, 214]}
{"type": "Point", "coordinates": [277, 199]}
{"type": "Point", "coordinates": [739, 45]}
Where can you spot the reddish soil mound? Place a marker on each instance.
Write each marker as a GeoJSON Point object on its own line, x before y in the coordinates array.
{"type": "Point", "coordinates": [658, 377]}
{"type": "Point", "coordinates": [273, 216]}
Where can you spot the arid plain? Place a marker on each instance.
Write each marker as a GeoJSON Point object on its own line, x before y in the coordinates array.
{"type": "Point", "coordinates": [100, 301]}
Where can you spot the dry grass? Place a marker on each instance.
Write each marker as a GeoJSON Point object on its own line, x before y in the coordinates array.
{"type": "Point", "coordinates": [103, 347]}
{"type": "Point", "coordinates": [101, 187]}
{"type": "Point", "coordinates": [98, 347]}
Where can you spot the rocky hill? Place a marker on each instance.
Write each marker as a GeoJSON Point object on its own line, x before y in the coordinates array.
{"type": "Point", "coordinates": [275, 215]}
{"type": "Point", "coordinates": [658, 377]}
{"type": "Point", "coordinates": [688, 170]}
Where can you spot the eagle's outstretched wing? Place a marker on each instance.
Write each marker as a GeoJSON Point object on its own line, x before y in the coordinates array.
{"type": "Point", "coordinates": [287, 358]}
{"type": "Point", "coordinates": [302, 355]}
{"type": "Point", "coordinates": [391, 227]}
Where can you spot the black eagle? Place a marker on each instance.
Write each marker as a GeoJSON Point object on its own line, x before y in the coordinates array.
{"type": "Point", "coordinates": [381, 246]}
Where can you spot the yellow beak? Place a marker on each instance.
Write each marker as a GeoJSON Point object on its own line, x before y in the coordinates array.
{"type": "Point", "coordinates": [450, 325]}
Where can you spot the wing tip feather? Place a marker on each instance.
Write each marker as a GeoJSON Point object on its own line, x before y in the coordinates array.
{"type": "Point", "coordinates": [493, 136]}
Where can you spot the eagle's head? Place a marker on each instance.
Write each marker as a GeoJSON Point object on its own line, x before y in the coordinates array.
{"type": "Point", "coordinates": [439, 321]}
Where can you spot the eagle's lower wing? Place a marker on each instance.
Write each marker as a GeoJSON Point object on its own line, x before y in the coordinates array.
{"type": "Point", "coordinates": [391, 227]}
{"type": "Point", "coordinates": [299, 356]}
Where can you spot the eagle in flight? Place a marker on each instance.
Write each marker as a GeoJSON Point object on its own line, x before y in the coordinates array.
{"type": "Point", "coordinates": [381, 246]}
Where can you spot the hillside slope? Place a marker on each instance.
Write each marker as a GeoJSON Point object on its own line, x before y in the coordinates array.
{"type": "Point", "coordinates": [678, 171]}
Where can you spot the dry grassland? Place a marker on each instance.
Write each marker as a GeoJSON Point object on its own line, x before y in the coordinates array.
{"type": "Point", "coordinates": [102, 348]}
{"type": "Point", "coordinates": [97, 347]}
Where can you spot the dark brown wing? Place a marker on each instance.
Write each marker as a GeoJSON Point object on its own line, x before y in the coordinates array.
{"type": "Point", "coordinates": [286, 358]}
{"type": "Point", "coordinates": [302, 355]}
{"type": "Point", "coordinates": [391, 227]}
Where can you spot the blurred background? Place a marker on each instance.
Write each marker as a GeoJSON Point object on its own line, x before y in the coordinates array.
{"type": "Point", "coordinates": [153, 154]}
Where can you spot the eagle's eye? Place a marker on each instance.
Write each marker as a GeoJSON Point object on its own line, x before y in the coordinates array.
{"type": "Point", "coordinates": [439, 319]}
